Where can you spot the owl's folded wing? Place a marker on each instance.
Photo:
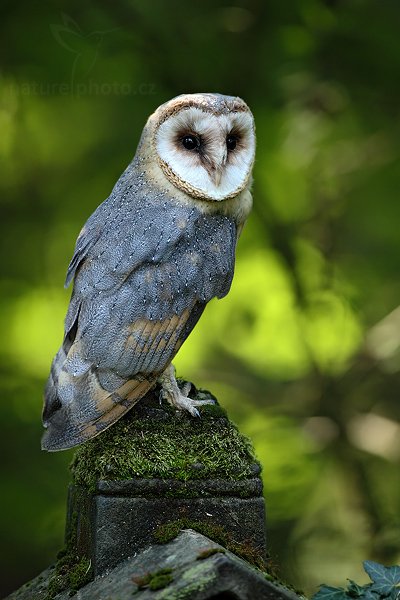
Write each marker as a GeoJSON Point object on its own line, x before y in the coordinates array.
{"type": "Point", "coordinates": [83, 398]}
{"type": "Point", "coordinates": [129, 313]}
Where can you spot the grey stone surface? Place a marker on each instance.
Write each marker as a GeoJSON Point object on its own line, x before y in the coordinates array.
{"type": "Point", "coordinates": [221, 575]}
{"type": "Point", "coordinates": [120, 520]}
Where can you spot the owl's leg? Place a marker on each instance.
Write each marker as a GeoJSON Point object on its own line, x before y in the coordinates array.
{"type": "Point", "coordinates": [176, 397]}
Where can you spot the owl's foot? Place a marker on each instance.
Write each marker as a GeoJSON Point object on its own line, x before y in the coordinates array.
{"type": "Point", "coordinates": [178, 398]}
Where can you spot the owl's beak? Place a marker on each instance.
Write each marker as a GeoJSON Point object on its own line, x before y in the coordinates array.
{"type": "Point", "coordinates": [216, 175]}
{"type": "Point", "coordinates": [217, 167]}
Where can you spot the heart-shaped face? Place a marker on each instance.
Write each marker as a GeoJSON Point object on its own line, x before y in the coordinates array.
{"type": "Point", "coordinates": [205, 144]}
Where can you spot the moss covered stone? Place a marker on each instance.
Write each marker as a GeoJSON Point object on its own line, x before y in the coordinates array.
{"type": "Point", "coordinates": [161, 579]}
{"type": "Point", "coordinates": [154, 440]}
{"type": "Point", "coordinates": [169, 531]}
{"type": "Point", "coordinates": [177, 574]}
{"type": "Point", "coordinates": [71, 570]}
{"type": "Point", "coordinates": [154, 581]}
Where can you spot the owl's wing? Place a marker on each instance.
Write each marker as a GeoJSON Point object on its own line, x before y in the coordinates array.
{"type": "Point", "coordinates": [106, 216]}
{"type": "Point", "coordinates": [83, 398]}
{"type": "Point", "coordinates": [87, 238]}
{"type": "Point", "coordinates": [137, 296]}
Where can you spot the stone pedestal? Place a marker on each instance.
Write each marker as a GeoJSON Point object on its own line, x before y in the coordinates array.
{"type": "Point", "coordinates": [158, 466]}
{"type": "Point", "coordinates": [121, 518]}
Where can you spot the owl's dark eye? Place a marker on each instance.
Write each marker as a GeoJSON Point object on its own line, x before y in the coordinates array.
{"type": "Point", "coordinates": [231, 141]}
{"type": "Point", "coordinates": [191, 142]}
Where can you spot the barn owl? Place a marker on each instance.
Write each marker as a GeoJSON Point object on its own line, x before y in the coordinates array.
{"type": "Point", "coordinates": [146, 263]}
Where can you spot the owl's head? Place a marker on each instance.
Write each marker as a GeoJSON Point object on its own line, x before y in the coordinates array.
{"type": "Point", "coordinates": [205, 144]}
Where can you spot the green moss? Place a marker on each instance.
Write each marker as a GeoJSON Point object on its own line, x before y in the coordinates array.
{"type": "Point", "coordinates": [161, 580]}
{"type": "Point", "coordinates": [154, 581]}
{"type": "Point", "coordinates": [78, 574]}
{"type": "Point", "coordinates": [71, 571]}
{"type": "Point", "coordinates": [71, 574]}
{"type": "Point", "coordinates": [156, 441]}
{"type": "Point", "coordinates": [167, 532]}
{"type": "Point", "coordinates": [213, 410]}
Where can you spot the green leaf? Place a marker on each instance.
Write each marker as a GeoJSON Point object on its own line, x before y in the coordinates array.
{"type": "Point", "coordinates": [370, 595]}
{"type": "Point", "coordinates": [385, 579]}
{"type": "Point", "coordinates": [385, 589]}
{"type": "Point", "coordinates": [330, 593]}
{"type": "Point", "coordinates": [354, 590]}
{"type": "Point", "coordinates": [374, 570]}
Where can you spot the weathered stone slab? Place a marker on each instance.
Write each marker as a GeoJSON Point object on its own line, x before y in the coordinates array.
{"type": "Point", "coordinates": [192, 566]}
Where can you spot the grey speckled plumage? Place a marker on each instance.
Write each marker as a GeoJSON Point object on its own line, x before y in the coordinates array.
{"type": "Point", "coordinates": [145, 265]}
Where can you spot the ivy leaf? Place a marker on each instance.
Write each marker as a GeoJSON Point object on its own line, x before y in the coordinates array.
{"type": "Point", "coordinates": [369, 594]}
{"type": "Point", "coordinates": [354, 590]}
{"type": "Point", "coordinates": [385, 579]}
{"type": "Point", "coordinates": [330, 593]}
{"type": "Point", "coordinates": [375, 571]}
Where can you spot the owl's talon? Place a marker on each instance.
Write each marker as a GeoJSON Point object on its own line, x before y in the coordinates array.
{"type": "Point", "coordinates": [179, 398]}
{"type": "Point", "coordinates": [187, 386]}
{"type": "Point", "coordinates": [160, 396]}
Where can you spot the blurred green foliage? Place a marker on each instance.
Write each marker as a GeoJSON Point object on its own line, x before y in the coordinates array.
{"type": "Point", "coordinates": [305, 351]}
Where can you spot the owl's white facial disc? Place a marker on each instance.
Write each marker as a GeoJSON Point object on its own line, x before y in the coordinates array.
{"type": "Point", "coordinates": [207, 155]}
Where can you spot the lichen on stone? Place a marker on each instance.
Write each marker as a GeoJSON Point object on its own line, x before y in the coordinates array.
{"type": "Point", "coordinates": [154, 440]}
{"type": "Point", "coordinates": [193, 581]}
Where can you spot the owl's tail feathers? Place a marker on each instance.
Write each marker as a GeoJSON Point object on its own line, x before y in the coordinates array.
{"type": "Point", "coordinates": [78, 408]}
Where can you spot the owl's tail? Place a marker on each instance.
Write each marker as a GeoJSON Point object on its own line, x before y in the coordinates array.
{"type": "Point", "coordinates": [78, 407]}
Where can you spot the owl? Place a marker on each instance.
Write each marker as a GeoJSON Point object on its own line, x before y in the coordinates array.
{"type": "Point", "coordinates": [147, 262]}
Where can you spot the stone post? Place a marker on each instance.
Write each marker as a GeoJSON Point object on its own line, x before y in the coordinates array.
{"type": "Point", "coordinates": [158, 467]}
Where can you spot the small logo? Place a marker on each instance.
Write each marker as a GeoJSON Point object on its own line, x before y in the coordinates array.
{"type": "Point", "coordinates": [85, 47]}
